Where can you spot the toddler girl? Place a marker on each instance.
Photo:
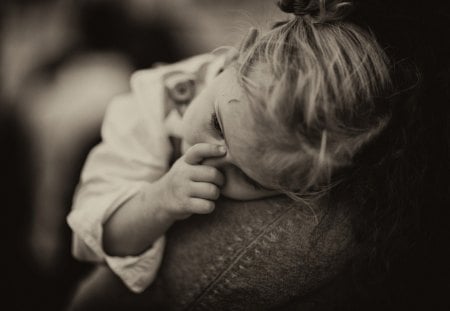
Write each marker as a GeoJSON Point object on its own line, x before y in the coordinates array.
{"type": "Point", "coordinates": [280, 116]}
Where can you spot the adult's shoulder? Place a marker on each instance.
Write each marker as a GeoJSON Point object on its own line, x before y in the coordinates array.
{"type": "Point", "coordinates": [254, 255]}
{"type": "Point", "coordinates": [251, 255]}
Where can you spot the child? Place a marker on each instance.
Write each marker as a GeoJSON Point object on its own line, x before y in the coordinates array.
{"type": "Point", "coordinates": [279, 116]}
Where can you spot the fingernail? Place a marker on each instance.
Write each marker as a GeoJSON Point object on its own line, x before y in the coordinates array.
{"type": "Point", "coordinates": [222, 149]}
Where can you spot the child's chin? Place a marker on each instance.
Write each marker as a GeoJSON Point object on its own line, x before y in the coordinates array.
{"type": "Point", "coordinates": [246, 195]}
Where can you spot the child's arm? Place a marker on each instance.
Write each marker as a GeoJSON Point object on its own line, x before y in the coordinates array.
{"type": "Point", "coordinates": [187, 188]}
{"type": "Point", "coordinates": [135, 151]}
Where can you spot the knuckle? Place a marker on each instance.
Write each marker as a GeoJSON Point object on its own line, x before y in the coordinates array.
{"type": "Point", "coordinates": [181, 163]}
{"type": "Point", "coordinates": [186, 190]}
{"type": "Point", "coordinates": [210, 206]}
{"type": "Point", "coordinates": [212, 148]}
{"type": "Point", "coordinates": [204, 148]}
{"type": "Point", "coordinates": [193, 149]}
{"type": "Point", "coordinates": [209, 189]}
{"type": "Point", "coordinates": [207, 206]}
{"type": "Point", "coordinates": [217, 194]}
{"type": "Point", "coordinates": [185, 203]}
{"type": "Point", "coordinates": [182, 175]}
{"type": "Point", "coordinates": [190, 153]}
{"type": "Point", "coordinates": [185, 160]}
{"type": "Point", "coordinates": [219, 178]}
{"type": "Point", "coordinates": [213, 191]}
{"type": "Point", "coordinates": [198, 147]}
{"type": "Point", "coordinates": [212, 173]}
{"type": "Point", "coordinates": [202, 206]}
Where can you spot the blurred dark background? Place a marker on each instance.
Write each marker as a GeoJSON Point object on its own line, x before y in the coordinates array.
{"type": "Point", "coordinates": [62, 61]}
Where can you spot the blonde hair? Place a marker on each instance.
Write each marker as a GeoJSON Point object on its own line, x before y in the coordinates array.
{"type": "Point", "coordinates": [325, 97]}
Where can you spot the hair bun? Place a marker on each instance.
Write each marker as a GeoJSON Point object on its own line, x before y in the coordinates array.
{"type": "Point", "coordinates": [299, 7]}
{"type": "Point", "coordinates": [320, 10]}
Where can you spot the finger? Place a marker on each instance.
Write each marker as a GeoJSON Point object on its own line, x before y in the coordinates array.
{"type": "Point", "coordinates": [197, 153]}
{"type": "Point", "coordinates": [209, 174]}
{"type": "Point", "coordinates": [201, 206]}
{"type": "Point", "coordinates": [203, 190]}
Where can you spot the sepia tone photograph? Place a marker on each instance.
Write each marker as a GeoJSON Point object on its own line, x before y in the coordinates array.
{"type": "Point", "coordinates": [225, 155]}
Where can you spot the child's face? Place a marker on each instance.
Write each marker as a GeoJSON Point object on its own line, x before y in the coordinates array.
{"type": "Point", "coordinates": [220, 115]}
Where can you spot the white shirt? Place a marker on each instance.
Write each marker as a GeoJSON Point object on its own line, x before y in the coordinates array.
{"type": "Point", "coordinates": [135, 150]}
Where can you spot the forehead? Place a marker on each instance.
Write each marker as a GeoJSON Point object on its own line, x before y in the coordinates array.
{"type": "Point", "coordinates": [226, 86]}
{"type": "Point", "coordinates": [228, 83]}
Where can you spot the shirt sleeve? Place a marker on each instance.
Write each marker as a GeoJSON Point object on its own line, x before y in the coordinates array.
{"type": "Point", "coordinates": [134, 150]}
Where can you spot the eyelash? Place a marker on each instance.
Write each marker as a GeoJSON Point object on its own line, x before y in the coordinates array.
{"type": "Point", "coordinates": [215, 125]}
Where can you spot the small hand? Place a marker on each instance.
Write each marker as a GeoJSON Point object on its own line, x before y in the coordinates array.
{"type": "Point", "coordinates": [190, 187]}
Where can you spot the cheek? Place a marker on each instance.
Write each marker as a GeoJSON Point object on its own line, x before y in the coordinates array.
{"type": "Point", "coordinates": [194, 125]}
{"type": "Point", "coordinates": [238, 189]}
{"type": "Point", "coordinates": [189, 122]}
{"type": "Point", "coordinates": [235, 187]}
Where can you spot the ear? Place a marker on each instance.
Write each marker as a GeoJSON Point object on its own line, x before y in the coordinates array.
{"type": "Point", "coordinates": [250, 39]}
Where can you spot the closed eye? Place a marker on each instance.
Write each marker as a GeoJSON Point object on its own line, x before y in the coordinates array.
{"type": "Point", "coordinates": [215, 125]}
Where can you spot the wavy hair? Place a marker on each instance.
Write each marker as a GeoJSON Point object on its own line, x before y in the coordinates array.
{"type": "Point", "coordinates": [324, 100]}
